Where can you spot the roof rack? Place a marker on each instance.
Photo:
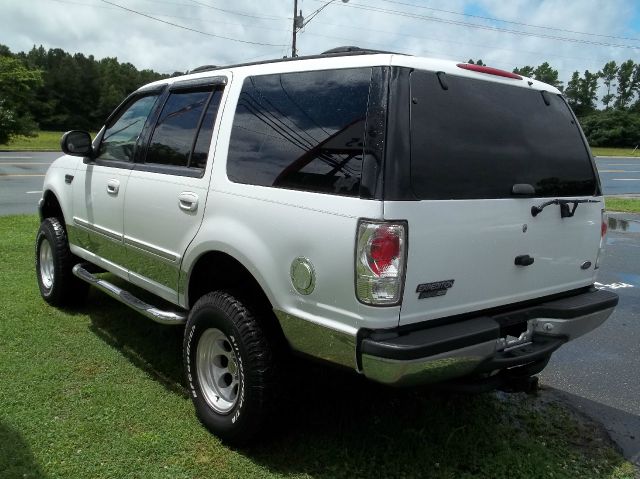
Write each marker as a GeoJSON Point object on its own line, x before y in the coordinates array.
{"type": "Point", "coordinates": [334, 52]}
{"type": "Point", "coordinates": [351, 49]}
{"type": "Point", "coordinates": [204, 68]}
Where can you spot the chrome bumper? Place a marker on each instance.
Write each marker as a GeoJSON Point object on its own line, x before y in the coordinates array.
{"type": "Point", "coordinates": [547, 335]}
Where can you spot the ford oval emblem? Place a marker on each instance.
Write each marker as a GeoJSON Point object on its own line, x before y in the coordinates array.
{"type": "Point", "coordinates": [585, 265]}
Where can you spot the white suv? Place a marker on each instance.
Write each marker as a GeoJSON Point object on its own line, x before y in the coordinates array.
{"type": "Point", "coordinates": [414, 220]}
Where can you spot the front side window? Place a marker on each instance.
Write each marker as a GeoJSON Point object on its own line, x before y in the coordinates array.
{"type": "Point", "coordinates": [184, 115]}
{"type": "Point", "coordinates": [120, 138]}
{"type": "Point", "coordinates": [302, 131]}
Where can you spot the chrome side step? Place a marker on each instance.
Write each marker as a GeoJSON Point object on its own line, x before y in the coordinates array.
{"type": "Point", "coordinates": [151, 312]}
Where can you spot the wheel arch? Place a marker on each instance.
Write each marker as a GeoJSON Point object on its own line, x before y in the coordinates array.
{"type": "Point", "coordinates": [216, 270]}
{"type": "Point", "coordinates": [49, 206]}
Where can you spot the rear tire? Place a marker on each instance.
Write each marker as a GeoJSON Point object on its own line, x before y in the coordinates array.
{"type": "Point", "coordinates": [230, 367]}
{"type": "Point", "coordinates": [54, 261]}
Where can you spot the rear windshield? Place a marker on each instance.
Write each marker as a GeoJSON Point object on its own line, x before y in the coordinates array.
{"type": "Point", "coordinates": [477, 139]}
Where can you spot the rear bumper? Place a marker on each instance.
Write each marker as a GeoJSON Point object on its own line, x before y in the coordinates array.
{"type": "Point", "coordinates": [476, 346]}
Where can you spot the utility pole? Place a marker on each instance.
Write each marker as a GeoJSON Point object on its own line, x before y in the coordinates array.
{"type": "Point", "coordinates": [295, 18]}
{"type": "Point", "coordinates": [299, 22]}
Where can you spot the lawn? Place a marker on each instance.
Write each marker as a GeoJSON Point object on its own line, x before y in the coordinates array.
{"type": "Point", "coordinates": [98, 392]}
{"type": "Point", "coordinates": [599, 151]}
{"type": "Point", "coordinates": [627, 205]}
{"type": "Point", "coordinates": [44, 141]}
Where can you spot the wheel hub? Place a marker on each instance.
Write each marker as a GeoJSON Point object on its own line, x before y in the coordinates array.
{"type": "Point", "coordinates": [217, 370]}
{"type": "Point", "coordinates": [46, 264]}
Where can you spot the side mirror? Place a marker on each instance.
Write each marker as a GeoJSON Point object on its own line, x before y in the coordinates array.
{"type": "Point", "coordinates": [77, 143]}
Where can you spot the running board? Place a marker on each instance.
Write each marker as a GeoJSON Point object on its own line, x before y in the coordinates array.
{"type": "Point", "coordinates": [151, 312]}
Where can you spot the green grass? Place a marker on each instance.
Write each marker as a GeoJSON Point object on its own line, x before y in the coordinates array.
{"type": "Point", "coordinates": [599, 151]}
{"type": "Point", "coordinates": [627, 205]}
{"type": "Point", "coordinates": [44, 141]}
{"type": "Point", "coordinates": [98, 392]}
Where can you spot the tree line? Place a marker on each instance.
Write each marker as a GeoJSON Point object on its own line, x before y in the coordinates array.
{"type": "Point", "coordinates": [56, 90]}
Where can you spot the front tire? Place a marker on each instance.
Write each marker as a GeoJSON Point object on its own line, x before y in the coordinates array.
{"type": "Point", "coordinates": [230, 367]}
{"type": "Point", "coordinates": [58, 286]}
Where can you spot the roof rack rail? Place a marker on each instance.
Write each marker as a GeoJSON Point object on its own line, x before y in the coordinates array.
{"type": "Point", "coordinates": [345, 49]}
{"type": "Point", "coordinates": [352, 50]}
{"type": "Point", "coordinates": [204, 68]}
{"type": "Point", "coordinates": [337, 52]}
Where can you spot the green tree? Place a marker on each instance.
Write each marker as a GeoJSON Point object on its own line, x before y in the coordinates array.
{"type": "Point", "coordinates": [572, 92]}
{"type": "Point", "coordinates": [546, 74]}
{"type": "Point", "coordinates": [526, 71]}
{"type": "Point", "coordinates": [625, 85]}
{"type": "Point", "coordinates": [588, 91]}
{"type": "Point", "coordinates": [612, 128]}
{"type": "Point", "coordinates": [581, 92]}
{"type": "Point", "coordinates": [17, 84]}
{"type": "Point", "coordinates": [635, 86]}
{"type": "Point", "coordinates": [608, 75]}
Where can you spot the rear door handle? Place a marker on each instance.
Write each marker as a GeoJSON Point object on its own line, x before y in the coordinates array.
{"type": "Point", "coordinates": [113, 186]}
{"type": "Point", "coordinates": [188, 201]}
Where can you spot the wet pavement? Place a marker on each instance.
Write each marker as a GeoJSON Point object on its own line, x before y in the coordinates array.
{"type": "Point", "coordinates": [600, 373]}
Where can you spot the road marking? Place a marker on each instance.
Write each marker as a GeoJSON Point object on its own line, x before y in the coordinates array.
{"type": "Point", "coordinates": [621, 164]}
{"type": "Point", "coordinates": [5, 175]}
{"type": "Point", "coordinates": [15, 157]}
{"type": "Point", "coordinates": [33, 192]}
{"type": "Point", "coordinates": [625, 179]}
{"type": "Point", "coordinates": [23, 163]}
{"type": "Point", "coordinates": [611, 171]}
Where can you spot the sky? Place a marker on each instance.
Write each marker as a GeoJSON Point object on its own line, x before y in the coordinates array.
{"type": "Point", "coordinates": [569, 34]}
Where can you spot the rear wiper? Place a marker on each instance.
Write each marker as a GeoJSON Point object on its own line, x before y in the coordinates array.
{"type": "Point", "coordinates": [565, 211]}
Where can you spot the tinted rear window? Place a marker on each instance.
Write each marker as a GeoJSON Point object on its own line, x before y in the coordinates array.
{"type": "Point", "coordinates": [302, 131]}
{"type": "Point", "coordinates": [478, 138]}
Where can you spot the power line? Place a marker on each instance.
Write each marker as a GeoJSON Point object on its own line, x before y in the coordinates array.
{"type": "Point", "coordinates": [493, 19]}
{"type": "Point", "coordinates": [244, 25]}
{"type": "Point", "coordinates": [485, 27]}
{"type": "Point", "coordinates": [440, 40]}
{"type": "Point", "coordinates": [191, 29]}
{"type": "Point", "coordinates": [235, 12]}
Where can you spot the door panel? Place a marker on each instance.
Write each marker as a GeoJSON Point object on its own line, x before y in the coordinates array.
{"type": "Point", "coordinates": [159, 227]}
{"type": "Point", "coordinates": [99, 186]}
{"type": "Point", "coordinates": [166, 194]}
{"type": "Point", "coordinates": [98, 204]}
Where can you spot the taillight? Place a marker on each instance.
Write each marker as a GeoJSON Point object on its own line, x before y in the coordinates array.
{"type": "Point", "coordinates": [380, 262]}
{"type": "Point", "coordinates": [603, 237]}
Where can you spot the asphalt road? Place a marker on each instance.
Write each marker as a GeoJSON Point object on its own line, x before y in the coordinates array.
{"type": "Point", "coordinates": [619, 175]}
{"type": "Point", "coordinates": [21, 178]}
{"type": "Point", "coordinates": [600, 372]}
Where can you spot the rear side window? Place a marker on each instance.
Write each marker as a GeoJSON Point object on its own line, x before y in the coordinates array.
{"type": "Point", "coordinates": [302, 131]}
{"type": "Point", "coordinates": [183, 132]}
{"type": "Point", "coordinates": [478, 138]}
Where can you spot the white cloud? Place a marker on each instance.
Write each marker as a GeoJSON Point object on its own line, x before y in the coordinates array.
{"type": "Point", "coordinates": [97, 28]}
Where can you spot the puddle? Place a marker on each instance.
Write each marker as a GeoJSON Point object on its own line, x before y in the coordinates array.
{"type": "Point", "coordinates": [624, 226]}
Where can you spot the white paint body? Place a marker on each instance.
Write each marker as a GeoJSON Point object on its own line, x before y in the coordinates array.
{"type": "Point", "coordinates": [265, 229]}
